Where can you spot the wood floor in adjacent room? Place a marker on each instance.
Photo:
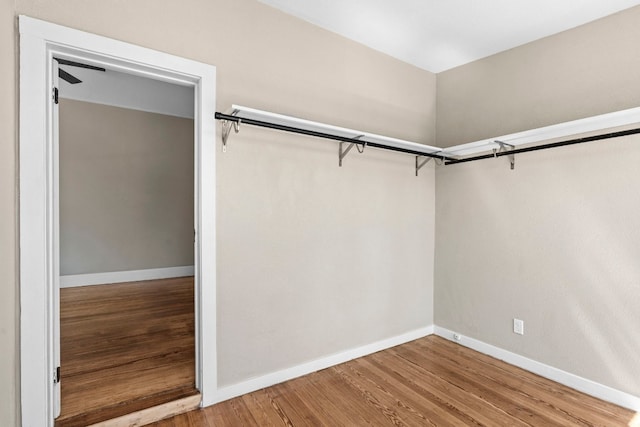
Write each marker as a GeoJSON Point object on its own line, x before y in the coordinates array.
{"type": "Point", "coordinates": [125, 347]}
{"type": "Point", "coordinates": [428, 382]}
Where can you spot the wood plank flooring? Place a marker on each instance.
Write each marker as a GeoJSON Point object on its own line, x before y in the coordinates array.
{"type": "Point", "coordinates": [428, 382]}
{"type": "Point", "coordinates": [125, 347]}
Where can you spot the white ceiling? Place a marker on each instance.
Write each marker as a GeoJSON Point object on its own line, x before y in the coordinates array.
{"type": "Point", "coordinates": [128, 91]}
{"type": "Point", "coordinates": [437, 35]}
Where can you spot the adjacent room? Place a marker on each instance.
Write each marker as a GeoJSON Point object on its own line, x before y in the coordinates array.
{"type": "Point", "coordinates": [126, 218]}
{"type": "Point", "coordinates": [281, 212]}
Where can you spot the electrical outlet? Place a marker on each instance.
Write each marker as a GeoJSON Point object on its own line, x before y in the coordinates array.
{"type": "Point", "coordinates": [457, 337]}
{"type": "Point", "coordinates": [518, 326]}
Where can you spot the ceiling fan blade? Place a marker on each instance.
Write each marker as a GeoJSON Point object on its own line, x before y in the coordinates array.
{"type": "Point", "coordinates": [78, 64]}
{"type": "Point", "coordinates": [68, 77]}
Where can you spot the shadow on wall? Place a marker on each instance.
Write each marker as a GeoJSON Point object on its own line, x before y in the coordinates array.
{"type": "Point", "coordinates": [554, 242]}
{"type": "Point", "coordinates": [590, 224]}
{"type": "Point", "coordinates": [591, 230]}
{"type": "Point", "coordinates": [609, 268]}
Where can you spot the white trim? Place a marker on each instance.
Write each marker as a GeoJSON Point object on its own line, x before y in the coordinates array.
{"type": "Point", "coordinates": [36, 359]}
{"type": "Point", "coordinates": [90, 279]}
{"type": "Point", "coordinates": [560, 130]}
{"type": "Point", "coordinates": [280, 119]}
{"type": "Point", "coordinates": [273, 378]}
{"type": "Point", "coordinates": [39, 41]}
{"type": "Point", "coordinates": [584, 385]}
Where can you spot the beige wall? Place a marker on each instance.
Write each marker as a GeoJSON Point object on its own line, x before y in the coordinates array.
{"type": "Point", "coordinates": [554, 242]}
{"type": "Point", "coordinates": [313, 259]}
{"type": "Point", "coordinates": [267, 59]}
{"type": "Point", "coordinates": [8, 231]}
{"type": "Point", "coordinates": [582, 72]}
{"type": "Point", "coordinates": [126, 189]}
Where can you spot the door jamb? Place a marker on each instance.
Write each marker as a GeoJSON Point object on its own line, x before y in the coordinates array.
{"type": "Point", "coordinates": [38, 42]}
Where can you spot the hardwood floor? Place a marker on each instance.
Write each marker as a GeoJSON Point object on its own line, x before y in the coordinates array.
{"type": "Point", "coordinates": [125, 347]}
{"type": "Point", "coordinates": [428, 382]}
{"type": "Point", "coordinates": [128, 347]}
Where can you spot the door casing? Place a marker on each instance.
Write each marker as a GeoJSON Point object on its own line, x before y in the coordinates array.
{"type": "Point", "coordinates": [40, 41]}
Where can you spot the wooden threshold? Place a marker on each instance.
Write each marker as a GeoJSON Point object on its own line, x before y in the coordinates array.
{"type": "Point", "coordinates": [153, 414]}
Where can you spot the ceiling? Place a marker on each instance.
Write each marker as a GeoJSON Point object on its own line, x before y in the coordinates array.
{"type": "Point", "coordinates": [437, 35]}
{"type": "Point", "coordinates": [124, 90]}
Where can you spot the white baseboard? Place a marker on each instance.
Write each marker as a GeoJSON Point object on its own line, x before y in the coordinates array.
{"type": "Point", "coordinates": [584, 385]}
{"type": "Point", "coordinates": [267, 380]}
{"type": "Point", "coordinates": [125, 276]}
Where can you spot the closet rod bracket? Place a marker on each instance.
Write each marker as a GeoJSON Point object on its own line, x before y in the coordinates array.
{"type": "Point", "coordinates": [505, 148]}
{"type": "Point", "coordinates": [420, 164]}
{"type": "Point", "coordinates": [227, 125]}
{"type": "Point", "coordinates": [342, 152]}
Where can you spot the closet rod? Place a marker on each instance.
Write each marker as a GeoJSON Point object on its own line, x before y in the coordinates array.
{"type": "Point", "coordinates": [260, 123]}
{"type": "Point", "coordinates": [545, 146]}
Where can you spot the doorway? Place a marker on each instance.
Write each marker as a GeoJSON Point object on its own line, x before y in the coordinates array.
{"type": "Point", "coordinates": [126, 216]}
{"type": "Point", "coordinates": [40, 42]}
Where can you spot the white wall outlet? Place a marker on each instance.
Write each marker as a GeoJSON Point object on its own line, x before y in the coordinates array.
{"type": "Point", "coordinates": [518, 326]}
{"type": "Point", "coordinates": [457, 337]}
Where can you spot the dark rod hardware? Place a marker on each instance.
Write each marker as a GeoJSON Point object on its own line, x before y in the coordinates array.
{"type": "Point", "coordinates": [545, 146]}
{"type": "Point", "coordinates": [245, 121]}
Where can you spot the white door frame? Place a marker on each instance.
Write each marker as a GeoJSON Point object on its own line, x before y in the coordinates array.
{"type": "Point", "coordinates": [39, 41]}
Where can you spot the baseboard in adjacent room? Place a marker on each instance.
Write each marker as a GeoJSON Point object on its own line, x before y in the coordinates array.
{"type": "Point", "coordinates": [576, 382]}
{"type": "Point", "coordinates": [125, 276]}
{"type": "Point", "coordinates": [273, 378]}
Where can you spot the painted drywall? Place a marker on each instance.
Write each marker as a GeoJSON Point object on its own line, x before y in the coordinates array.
{"type": "Point", "coordinates": [291, 266]}
{"type": "Point", "coordinates": [312, 259]}
{"type": "Point", "coordinates": [579, 73]}
{"type": "Point", "coordinates": [8, 225]}
{"type": "Point", "coordinates": [555, 241]}
{"type": "Point", "coordinates": [126, 189]}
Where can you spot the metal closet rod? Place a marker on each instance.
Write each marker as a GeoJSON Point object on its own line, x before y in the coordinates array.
{"type": "Point", "coordinates": [545, 146]}
{"type": "Point", "coordinates": [447, 160]}
{"type": "Point", "coordinates": [252, 122]}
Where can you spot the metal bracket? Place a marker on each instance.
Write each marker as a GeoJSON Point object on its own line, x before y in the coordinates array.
{"type": "Point", "coordinates": [503, 148]}
{"type": "Point", "coordinates": [419, 165]}
{"type": "Point", "coordinates": [342, 153]}
{"type": "Point", "coordinates": [226, 130]}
